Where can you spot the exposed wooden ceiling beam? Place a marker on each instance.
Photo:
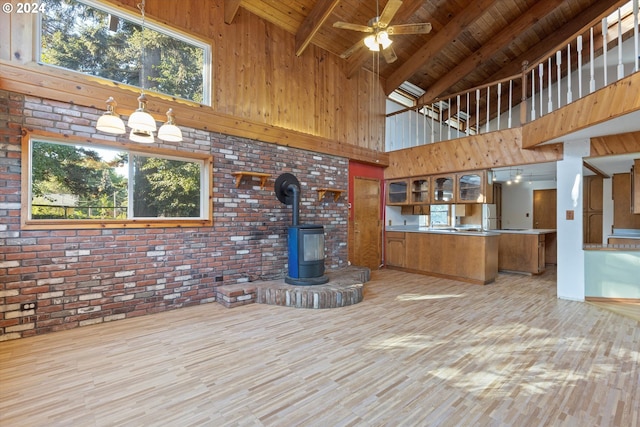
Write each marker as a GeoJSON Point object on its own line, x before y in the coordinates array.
{"type": "Point", "coordinates": [230, 10]}
{"type": "Point", "coordinates": [595, 170]}
{"type": "Point", "coordinates": [578, 25]}
{"type": "Point", "coordinates": [447, 35]}
{"type": "Point", "coordinates": [499, 41]}
{"type": "Point", "coordinates": [312, 23]}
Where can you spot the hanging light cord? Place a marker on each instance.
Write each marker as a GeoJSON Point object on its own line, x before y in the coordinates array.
{"type": "Point", "coordinates": [142, 53]}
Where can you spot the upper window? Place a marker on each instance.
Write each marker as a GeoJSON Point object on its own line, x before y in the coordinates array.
{"type": "Point", "coordinates": [100, 40]}
{"type": "Point", "coordinates": [81, 185]}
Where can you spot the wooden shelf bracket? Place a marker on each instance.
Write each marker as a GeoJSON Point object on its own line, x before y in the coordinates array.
{"type": "Point", "coordinates": [336, 193]}
{"type": "Point", "coordinates": [263, 177]}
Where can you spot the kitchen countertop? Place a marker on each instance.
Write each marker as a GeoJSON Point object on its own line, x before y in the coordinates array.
{"type": "Point", "coordinates": [436, 230]}
{"type": "Point", "coordinates": [526, 231]}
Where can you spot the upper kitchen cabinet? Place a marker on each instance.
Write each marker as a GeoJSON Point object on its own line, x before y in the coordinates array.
{"type": "Point", "coordinates": [443, 189]}
{"type": "Point", "coordinates": [397, 192]}
{"type": "Point", "coordinates": [474, 187]}
{"type": "Point", "coordinates": [420, 190]}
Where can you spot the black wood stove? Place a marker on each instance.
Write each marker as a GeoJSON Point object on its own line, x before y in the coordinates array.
{"type": "Point", "coordinates": [305, 242]}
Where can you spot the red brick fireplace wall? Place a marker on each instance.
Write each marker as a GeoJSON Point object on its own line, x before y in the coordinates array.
{"type": "Point", "coordinates": [84, 277]}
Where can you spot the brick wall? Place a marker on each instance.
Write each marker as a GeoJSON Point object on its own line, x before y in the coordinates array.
{"type": "Point", "coordinates": [83, 277]}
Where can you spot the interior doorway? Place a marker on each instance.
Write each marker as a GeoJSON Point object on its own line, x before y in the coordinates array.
{"type": "Point", "coordinates": [367, 225]}
{"type": "Point", "coordinates": [544, 209]}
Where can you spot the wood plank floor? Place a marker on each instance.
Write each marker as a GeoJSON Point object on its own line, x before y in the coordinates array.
{"type": "Point", "coordinates": [418, 351]}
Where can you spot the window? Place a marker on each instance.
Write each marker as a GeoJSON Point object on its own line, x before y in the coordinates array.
{"type": "Point", "coordinates": [439, 215]}
{"type": "Point", "coordinates": [77, 184]}
{"type": "Point", "coordinates": [99, 40]}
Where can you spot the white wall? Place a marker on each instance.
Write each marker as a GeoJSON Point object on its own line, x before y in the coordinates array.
{"type": "Point", "coordinates": [517, 202]}
{"type": "Point", "coordinates": [571, 278]}
{"type": "Point", "coordinates": [393, 216]}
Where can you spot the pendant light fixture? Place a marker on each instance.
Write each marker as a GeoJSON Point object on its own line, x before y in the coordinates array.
{"type": "Point", "coordinates": [141, 123]}
{"type": "Point", "coordinates": [169, 131]}
{"type": "Point", "coordinates": [110, 122]}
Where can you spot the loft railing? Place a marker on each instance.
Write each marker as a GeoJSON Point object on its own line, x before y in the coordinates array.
{"type": "Point", "coordinates": [596, 58]}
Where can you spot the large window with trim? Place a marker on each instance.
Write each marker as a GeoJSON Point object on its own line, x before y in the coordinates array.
{"type": "Point", "coordinates": [97, 39]}
{"type": "Point", "coordinates": [79, 184]}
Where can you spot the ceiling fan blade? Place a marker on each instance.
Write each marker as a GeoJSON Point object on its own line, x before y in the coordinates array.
{"type": "Point", "coordinates": [410, 29]}
{"type": "Point", "coordinates": [388, 13]}
{"type": "Point", "coordinates": [347, 53]}
{"type": "Point", "coordinates": [354, 27]}
{"type": "Point", "coordinates": [389, 55]}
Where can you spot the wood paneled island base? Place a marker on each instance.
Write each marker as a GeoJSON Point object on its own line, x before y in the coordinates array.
{"type": "Point", "coordinates": [465, 256]}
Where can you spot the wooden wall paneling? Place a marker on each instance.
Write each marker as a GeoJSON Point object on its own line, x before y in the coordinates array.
{"type": "Point", "coordinates": [622, 143]}
{"type": "Point", "coordinates": [614, 100]}
{"type": "Point", "coordinates": [501, 148]}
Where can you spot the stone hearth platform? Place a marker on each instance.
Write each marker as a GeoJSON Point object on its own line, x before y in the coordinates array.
{"type": "Point", "coordinates": [345, 287]}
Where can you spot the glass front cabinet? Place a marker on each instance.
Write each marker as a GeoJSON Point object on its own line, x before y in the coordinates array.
{"type": "Point", "coordinates": [420, 190]}
{"type": "Point", "coordinates": [443, 189]}
{"type": "Point", "coordinates": [397, 192]}
{"type": "Point", "coordinates": [474, 187]}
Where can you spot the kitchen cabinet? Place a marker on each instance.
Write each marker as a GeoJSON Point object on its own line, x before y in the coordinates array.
{"type": "Point", "coordinates": [443, 189]}
{"type": "Point", "coordinates": [420, 190]}
{"type": "Point", "coordinates": [397, 192]}
{"type": "Point", "coordinates": [468, 257]}
{"type": "Point", "coordinates": [526, 251]}
{"type": "Point", "coordinates": [395, 253]}
{"type": "Point", "coordinates": [473, 187]}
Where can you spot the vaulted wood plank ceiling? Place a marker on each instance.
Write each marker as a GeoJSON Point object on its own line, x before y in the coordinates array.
{"type": "Point", "coordinates": [471, 42]}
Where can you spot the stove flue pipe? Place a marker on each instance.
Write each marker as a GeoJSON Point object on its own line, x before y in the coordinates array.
{"type": "Point", "coordinates": [295, 214]}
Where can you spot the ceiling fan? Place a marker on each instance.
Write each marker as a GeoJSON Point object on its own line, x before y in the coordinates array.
{"type": "Point", "coordinates": [379, 31]}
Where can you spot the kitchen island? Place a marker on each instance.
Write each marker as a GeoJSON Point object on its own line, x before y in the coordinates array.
{"type": "Point", "coordinates": [469, 256]}
{"type": "Point", "coordinates": [526, 250]}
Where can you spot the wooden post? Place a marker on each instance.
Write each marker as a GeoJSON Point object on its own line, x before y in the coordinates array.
{"type": "Point", "coordinates": [523, 101]}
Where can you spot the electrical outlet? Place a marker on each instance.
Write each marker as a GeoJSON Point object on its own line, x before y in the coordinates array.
{"type": "Point", "coordinates": [25, 306]}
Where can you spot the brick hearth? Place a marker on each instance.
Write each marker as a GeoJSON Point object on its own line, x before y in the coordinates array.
{"type": "Point", "coordinates": [345, 287]}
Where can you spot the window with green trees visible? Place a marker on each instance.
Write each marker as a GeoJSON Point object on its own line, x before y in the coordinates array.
{"type": "Point", "coordinates": [92, 182]}
{"type": "Point", "coordinates": [99, 40]}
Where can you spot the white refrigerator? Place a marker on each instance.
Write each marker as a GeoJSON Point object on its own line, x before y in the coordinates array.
{"type": "Point", "coordinates": [489, 217]}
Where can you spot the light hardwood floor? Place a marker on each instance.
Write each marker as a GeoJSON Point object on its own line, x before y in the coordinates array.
{"type": "Point", "coordinates": [418, 351]}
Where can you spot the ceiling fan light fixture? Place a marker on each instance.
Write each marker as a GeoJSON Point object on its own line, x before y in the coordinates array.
{"type": "Point", "coordinates": [371, 43]}
{"type": "Point", "coordinates": [383, 39]}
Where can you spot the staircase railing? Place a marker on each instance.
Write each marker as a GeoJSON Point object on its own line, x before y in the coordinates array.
{"type": "Point", "coordinates": [601, 55]}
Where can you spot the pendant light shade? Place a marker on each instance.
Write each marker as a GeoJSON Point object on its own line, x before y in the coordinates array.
{"type": "Point", "coordinates": [110, 122]}
{"type": "Point", "coordinates": [371, 43]}
{"type": "Point", "coordinates": [169, 131]}
{"type": "Point", "coordinates": [139, 135]}
{"type": "Point", "coordinates": [140, 120]}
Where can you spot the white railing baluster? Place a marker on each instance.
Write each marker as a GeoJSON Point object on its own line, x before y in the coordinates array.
{"type": "Point", "coordinates": [620, 64]}
{"type": "Point", "coordinates": [605, 47]}
{"type": "Point", "coordinates": [541, 77]}
{"type": "Point", "coordinates": [569, 92]}
{"type": "Point", "coordinates": [478, 111]}
{"type": "Point", "coordinates": [635, 35]}
{"type": "Point", "coordinates": [550, 103]}
{"type": "Point", "coordinates": [510, 103]}
{"type": "Point", "coordinates": [559, 76]}
{"type": "Point", "coordinates": [486, 127]}
{"type": "Point", "coordinates": [458, 118]}
{"type": "Point", "coordinates": [468, 115]}
{"type": "Point", "coordinates": [533, 93]}
{"type": "Point", "coordinates": [592, 81]}
{"type": "Point", "coordinates": [498, 111]}
{"type": "Point", "coordinates": [433, 123]}
{"type": "Point", "coordinates": [449, 121]}
{"type": "Point", "coordinates": [579, 49]}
